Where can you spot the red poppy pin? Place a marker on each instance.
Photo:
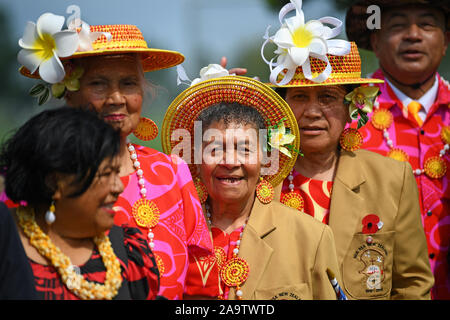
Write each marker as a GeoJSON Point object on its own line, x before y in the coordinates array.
{"type": "Point", "coordinates": [371, 224]}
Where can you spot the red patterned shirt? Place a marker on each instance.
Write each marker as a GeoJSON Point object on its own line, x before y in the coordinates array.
{"type": "Point", "coordinates": [421, 143]}
{"type": "Point", "coordinates": [204, 270]}
{"type": "Point", "coordinates": [316, 195]}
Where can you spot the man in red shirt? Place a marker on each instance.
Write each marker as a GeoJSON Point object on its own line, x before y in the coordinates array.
{"type": "Point", "coordinates": [411, 118]}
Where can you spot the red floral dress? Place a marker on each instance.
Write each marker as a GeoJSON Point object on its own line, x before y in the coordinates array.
{"type": "Point", "coordinates": [316, 195]}
{"type": "Point", "coordinates": [138, 265]}
{"type": "Point", "coordinates": [181, 228]}
{"type": "Point", "coordinates": [421, 143]}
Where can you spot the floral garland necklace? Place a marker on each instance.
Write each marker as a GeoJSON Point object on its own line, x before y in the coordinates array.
{"type": "Point", "coordinates": [145, 212]}
{"type": "Point", "coordinates": [233, 272]}
{"type": "Point", "coordinates": [434, 167]}
{"type": "Point", "coordinates": [74, 282]}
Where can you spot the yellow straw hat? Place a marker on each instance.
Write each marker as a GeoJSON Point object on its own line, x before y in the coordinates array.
{"type": "Point", "coordinates": [187, 106]}
{"type": "Point", "coordinates": [308, 54]}
{"type": "Point", "coordinates": [124, 39]}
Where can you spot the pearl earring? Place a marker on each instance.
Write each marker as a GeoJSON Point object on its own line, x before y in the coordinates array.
{"type": "Point", "coordinates": [50, 214]}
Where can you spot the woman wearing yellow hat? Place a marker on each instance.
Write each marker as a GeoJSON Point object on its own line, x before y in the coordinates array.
{"type": "Point", "coordinates": [371, 203]}
{"type": "Point", "coordinates": [102, 68]}
{"type": "Point", "coordinates": [263, 249]}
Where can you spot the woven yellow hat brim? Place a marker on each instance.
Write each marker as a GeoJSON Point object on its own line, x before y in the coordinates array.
{"type": "Point", "coordinates": [345, 69]}
{"type": "Point", "coordinates": [328, 82]}
{"type": "Point", "coordinates": [124, 39]}
{"type": "Point", "coordinates": [187, 106]}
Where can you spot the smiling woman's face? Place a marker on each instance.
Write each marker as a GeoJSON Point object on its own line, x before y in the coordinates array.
{"type": "Point", "coordinates": [91, 213]}
{"type": "Point", "coordinates": [231, 162]}
{"type": "Point", "coordinates": [321, 116]}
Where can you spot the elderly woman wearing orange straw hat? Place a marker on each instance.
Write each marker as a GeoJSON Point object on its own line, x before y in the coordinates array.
{"type": "Point", "coordinates": [370, 202]}
{"type": "Point", "coordinates": [263, 249]}
{"type": "Point", "coordinates": [102, 68]}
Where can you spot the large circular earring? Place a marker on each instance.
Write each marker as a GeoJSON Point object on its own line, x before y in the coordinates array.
{"type": "Point", "coordinates": [351, 139]}
{"type": "Point", "coordinates": [50, 214]}
{"type": "Point", "coordinates": [146, 129]}
{"type": "Point", "coordinates": [264, 191]}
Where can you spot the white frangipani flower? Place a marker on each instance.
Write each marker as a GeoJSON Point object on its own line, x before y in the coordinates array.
{"type": "Point", "coordinates": [44, 43]}
{"type": "Point", "coordinates": [86, 37]}
{"type": "Point", "coordinates": [297, 41]}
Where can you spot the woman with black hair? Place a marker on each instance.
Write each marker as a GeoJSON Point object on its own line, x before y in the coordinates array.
{"type": "Point", "coordinates": [62, 167]}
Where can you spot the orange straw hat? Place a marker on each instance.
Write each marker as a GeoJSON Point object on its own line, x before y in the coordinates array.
{"type": "Point", "coordinates": [123, 39]}
{"type": "Point", "coordinates": [187, 106]}
{"type": "Point", "coordinates": [47, 51]}
{"type": "Point", "coordinates": [307, 54]}
{"type": "Point", "coordinates": [346, 69]}
{"type": "Point", "coordinates": [46, 46]}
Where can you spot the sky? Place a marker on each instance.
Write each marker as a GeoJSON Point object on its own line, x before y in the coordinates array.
{"type": "Point", "coordinates": [212, 28]}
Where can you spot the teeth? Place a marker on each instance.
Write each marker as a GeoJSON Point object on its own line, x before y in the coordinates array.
{"type": "Point", "coordinates": [230, 179]}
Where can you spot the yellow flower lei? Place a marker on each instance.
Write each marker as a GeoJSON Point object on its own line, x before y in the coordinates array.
{"type": "Point", "coordinates": [78, 285]}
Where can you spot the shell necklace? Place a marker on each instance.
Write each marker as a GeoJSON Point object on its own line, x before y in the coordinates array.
{"type": "Point", "coordinates": [145, 212]}
{"type": "Point", "coordinates": [293, 198]}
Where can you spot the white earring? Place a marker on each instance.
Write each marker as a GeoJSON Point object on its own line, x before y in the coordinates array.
{"type": "Point", "coordinates": [50, 214]}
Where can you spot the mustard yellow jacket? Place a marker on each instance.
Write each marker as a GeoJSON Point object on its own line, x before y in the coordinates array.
{"type": "Point", "coordinates": [288, 253]}
{"type": "Point", "coordinates": [388, 261]}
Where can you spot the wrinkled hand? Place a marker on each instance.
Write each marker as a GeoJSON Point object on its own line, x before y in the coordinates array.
{"type": "Point", "coordinates": [237, 71]}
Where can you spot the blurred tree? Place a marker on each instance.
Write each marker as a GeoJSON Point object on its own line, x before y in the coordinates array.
{"type": "Point", "coordinates": [14, 99]}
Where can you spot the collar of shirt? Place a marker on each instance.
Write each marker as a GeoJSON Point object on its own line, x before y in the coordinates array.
{"type": "Point", "coordinates": [426, 100]}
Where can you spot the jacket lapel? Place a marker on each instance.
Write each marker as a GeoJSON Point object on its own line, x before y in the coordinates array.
{"type": "Point", "coordinates": [346, 203]}
{"type": "Point", "coordinates": [254, 249]}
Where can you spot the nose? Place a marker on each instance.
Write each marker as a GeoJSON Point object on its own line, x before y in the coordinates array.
{"type": "Point", "coordinates": [115, 96]}
{"type": "Point", "coordinates": [413, 33]}
{"type": "Point", "coordinates": [117, 185]}
{"type": "Point", "coordinates": [230, 159]}
{"type": "Point", "coordinates": [313, 110]}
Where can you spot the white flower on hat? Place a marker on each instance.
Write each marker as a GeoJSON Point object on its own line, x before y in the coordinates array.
{"type": "Point", "coordinates": [44, 43]}
{"type": "Point", "coordinates": [297, 41]}
{"type": "Point", "coordinates": [211, 71]}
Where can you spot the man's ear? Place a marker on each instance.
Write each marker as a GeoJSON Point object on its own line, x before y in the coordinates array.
{"type": "Point", "coordinates": [447, 41]}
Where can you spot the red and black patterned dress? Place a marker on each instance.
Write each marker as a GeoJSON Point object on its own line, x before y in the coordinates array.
{"type": "Point", "coordinates": [140, 276]}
